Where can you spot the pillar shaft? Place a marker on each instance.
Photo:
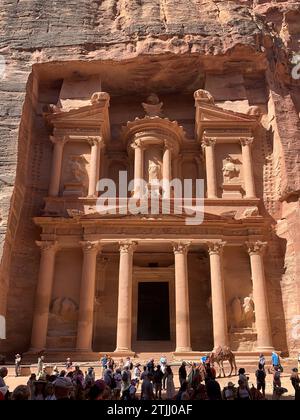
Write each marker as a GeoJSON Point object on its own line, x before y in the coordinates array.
{"type": "Point", "coordinates": [262, 317]}
{"type": "Point", "coordinates": [94, 167]}
{"type": "Point", "coordinates": [56, 166]}
{"type": "Point", "coordinates": [248, 168]}
{"type": "Point", "coordinates": [87, 296]}
{"type": "Point", "coordinates": [124, 323]}
{"type": "Point", "coordinates": [183, 333]}
{"type": "Point", "coordinates": [218, 295]}
{"type": "Point", "coordinates": [43, 295]}
{"type": "Point", "coordinates": [211, 176]}
{"type": "Point", "coordinates": [167, 169]}
{"type": "Point", "coordinates": [138, 167]}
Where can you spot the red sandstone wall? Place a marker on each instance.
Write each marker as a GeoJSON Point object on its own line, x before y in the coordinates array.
{"type": "Point", "coordinates": [162, 39]}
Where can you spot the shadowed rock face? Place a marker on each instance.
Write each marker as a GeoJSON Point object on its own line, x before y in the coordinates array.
{"type": "Point", "coordinates": [139, 46]}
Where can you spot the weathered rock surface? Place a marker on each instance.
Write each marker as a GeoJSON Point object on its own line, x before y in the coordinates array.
{"type": "Point", "coordinates": [174, 45]}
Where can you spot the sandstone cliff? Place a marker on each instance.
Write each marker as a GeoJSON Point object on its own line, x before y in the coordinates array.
{"type": "Point", "coordinates": [153, 40]}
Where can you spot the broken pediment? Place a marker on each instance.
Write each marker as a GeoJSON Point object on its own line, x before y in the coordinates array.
{"type": "Point", "coordinates": [210, 116]}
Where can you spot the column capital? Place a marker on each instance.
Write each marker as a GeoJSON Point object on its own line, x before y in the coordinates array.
{"type": "Point", "coordinates": [62, 140]}
{"type": "Point", "coordinates": [127, 247]}
{"type": "Point", "coordinates": [168, 145]}
{"type": "Point", "coordinates": [246, 141]}
{"type": "Point", "coordinates": [216, 248]}
{"type": "Point", "coordinates": [96, 141]}
{"type": "Point", "coordinates": [208, 141]}
{"type": "Point", "coordinates": [90, 246]}
{"type": "Point", "coordinates": [137, 144]}
{"type": "Point", "coordinates": [256, 247]}
{"type": "Point", "coordinates": [181, 247]}
{"type": "Point", "coordinates": [48, 245]}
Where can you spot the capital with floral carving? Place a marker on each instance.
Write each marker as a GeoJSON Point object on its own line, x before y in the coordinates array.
{"type": "Point", "coordinates": [208, 141]}
{"type": "Point", "coordinates": [246, 141]}
{"type": "Point", "coordinates": [181, 247]}
{"type": "Point", "coordinates": [90, 246]}
{"type": "Point", "coordinates": [256, 247]}
{"type": "Point", "coordinates": [216, 248]}
{"type": "Point", "coordinates": [127, 247]}
{"type": "Point", "coordinates": [137, 144]}
{"type": "Point", "coordinates": [169, 145]}
{"type": "Point", "coordinates": [97, 140]}
{"type": "Point", "coordinates": [48, 246]}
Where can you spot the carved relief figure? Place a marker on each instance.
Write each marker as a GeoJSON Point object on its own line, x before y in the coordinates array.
{"type": "Point", "coordinates": [242, 312]}
{"type": "Point", "coordinates": [248, 310]}
{"type": "Point", "coordinates": [230, 170]}
{"type": "Point", "coordinates": [153, 106]}
{"type": "Point", "coordinates": [154, 172]}
{"type": "Point", "coordinates": [77, 171]}
{"type": "Point", "coordinates": [63, 317]}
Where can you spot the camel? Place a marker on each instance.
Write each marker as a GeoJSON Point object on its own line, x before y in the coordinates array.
{"type": "Point", "coordinates": [220, 355]}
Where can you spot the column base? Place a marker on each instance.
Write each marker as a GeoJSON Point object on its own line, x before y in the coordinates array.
{"type": "Point", "coordinates": [180, 350]}
{"type": "Point", "coordinates": [124, 353]}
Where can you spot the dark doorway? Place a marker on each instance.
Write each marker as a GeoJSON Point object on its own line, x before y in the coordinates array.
{"type": "Point", "coordinates": [153, 312]}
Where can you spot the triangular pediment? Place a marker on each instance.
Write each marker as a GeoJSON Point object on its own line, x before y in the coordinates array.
{"type": "Point", "coordinates": [87, 115]}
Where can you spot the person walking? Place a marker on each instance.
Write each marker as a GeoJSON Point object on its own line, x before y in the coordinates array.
{"type": "Point", "coordinates": [157, 381]}
{"type": "Point", "coordinates": [295, 380]}
{"type": "Point", "coordinates": [182, 373]}
{"type": "Point", "coordinates": [170, 383]}
{"type": "Point", "coordinates": [147, 388]}
{"type": "Point", "coordinates": [18, 361]}
{"type": "Point", "coordinates": [261, 379]}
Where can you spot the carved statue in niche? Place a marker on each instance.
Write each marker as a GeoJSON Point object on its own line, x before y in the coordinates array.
{"type": "Point", "coordinates": [248, 310]}
{"type": "Point", "coordinates": [77, 178]}
{"type": "Point", "coordinates": [230, 170]}
{"type": "Point", "coordinates": [77, 171]}
{"type": "Point", "coordinates": [242, 312]}
{"type": "Point", "coordinates": [154, 172]}
{"type": "Point", "coordinates": [153, 106]}
{"type": "Point", "coordinates": [63, 317]}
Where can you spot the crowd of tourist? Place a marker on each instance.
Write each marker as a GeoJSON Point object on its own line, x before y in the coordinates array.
{"type": "Point", "coordinates": [124, 380]}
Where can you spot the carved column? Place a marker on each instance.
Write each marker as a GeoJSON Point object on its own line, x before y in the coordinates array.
{"type": "Point", "coordinates": [218, 294]}
{"type": "Point", "coordinates": [248, 167]}
{"type": "Point", "coordinates": [87, 296]}
{"type": "Point", "coordinates": [167, 168]}
{"type": "Point", "coordinates": [208, 144]}
{"type": "Point", "coordinates": [262, 317]}
{"type": "Point", "coordinates": [124, 323]}
{"type": "Point", "coordinates": [138, 167]}
{"type": "Point", "coordinates": [43, 295]}
{"type": "Point", "coordinates": [57, 157]}
{"type": "Point", "coordinates": [183, 334]}
{"type": "Point", "coordinates": [96, 145]}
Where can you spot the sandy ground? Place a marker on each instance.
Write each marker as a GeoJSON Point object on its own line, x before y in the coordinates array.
{"type": "Point", "coordinates": [12, 381]}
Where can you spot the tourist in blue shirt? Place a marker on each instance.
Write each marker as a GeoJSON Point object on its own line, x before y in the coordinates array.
{"type": "Point", "coordinates": [275, 359]}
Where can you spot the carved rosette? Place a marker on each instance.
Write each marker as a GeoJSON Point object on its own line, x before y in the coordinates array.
{"type": "Point", "coordinates": [89, 246]}
{"type": "Point", "coordinates": [216, 248]}
{"type": "Point", "coordinates": [127, 247]}
{"type": "Point", "coordinates": [256, 247]}
{"type": "Point", "coordinates": [47, 246]}
{"type": "Point", "coordinates": [246, 141]}
{"type": "Point", "coordinates": [181, 247]}
{"type": "Point", "coordinates": [208, 142]}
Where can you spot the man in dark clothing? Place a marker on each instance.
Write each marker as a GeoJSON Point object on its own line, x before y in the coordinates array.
{"type": "Point", "coordinates": [261, 379]}
{"type": "Point", "coordinates": [213, 390]}
{"type": "Point", "coordinates": [182, 373]}
{"type": "Point", "coordinates": [157, 381]}
{"type": "Point", "coordinates": [150, 367]}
